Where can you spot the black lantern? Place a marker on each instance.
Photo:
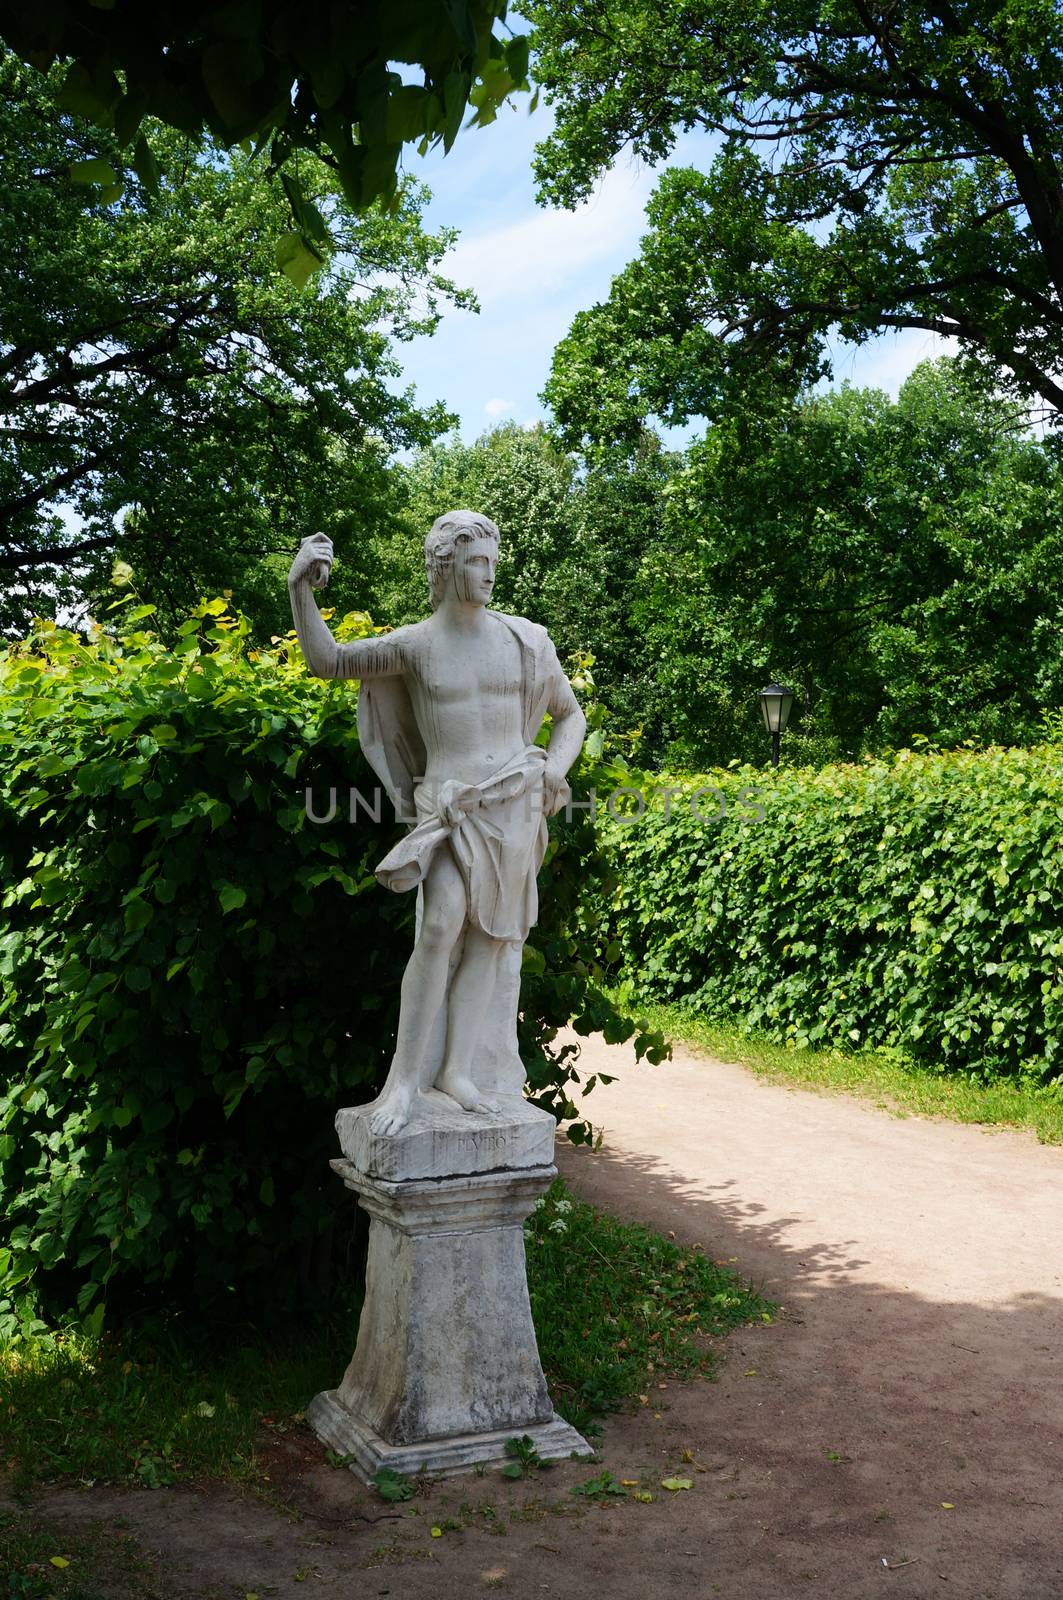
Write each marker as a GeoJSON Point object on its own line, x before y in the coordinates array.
{"type": "Point", "coordinates": [775, 703]}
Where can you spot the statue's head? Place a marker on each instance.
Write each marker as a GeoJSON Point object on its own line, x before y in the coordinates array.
{"type": "Point", "coordinates": [458, 536]}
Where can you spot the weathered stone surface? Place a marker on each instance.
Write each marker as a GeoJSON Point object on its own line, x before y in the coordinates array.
{"type": "Point", "coordinates": [441, 1141]}
{"type": "Point", "coordinates": [450, 1158]}
{"type": "Point", "coordinates": [446, 1343]}
{"type": "Point", "coordinates": [446, 1368]}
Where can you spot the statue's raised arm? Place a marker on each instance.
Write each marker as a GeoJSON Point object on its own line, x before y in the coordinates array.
{"type": "Point", "coordinates": [325, 657]}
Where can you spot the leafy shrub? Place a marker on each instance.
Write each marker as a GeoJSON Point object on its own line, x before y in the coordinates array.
{"type": "Point", "coordinates": [565, 958]}
{"type": "Point", "coordinates": [911, 902]}
{"type": "Point", "coordinates": [193, 975]}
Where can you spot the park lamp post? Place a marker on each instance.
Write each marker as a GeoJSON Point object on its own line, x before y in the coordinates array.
{"type": "Point", "coordinates": [775, 703]}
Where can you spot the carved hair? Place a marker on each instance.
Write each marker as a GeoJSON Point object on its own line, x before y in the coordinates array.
{"type": "Point", "coordinates": [445, 534]}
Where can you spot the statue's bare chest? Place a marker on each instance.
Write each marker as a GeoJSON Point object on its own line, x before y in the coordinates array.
{"type": "Point", "coordinates": [477, 669]}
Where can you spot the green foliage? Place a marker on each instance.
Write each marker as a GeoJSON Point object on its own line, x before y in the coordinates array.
{"type": "Point", "coordinates": [899, 564]}
{"type": "Point", "coordinates": [178, 967]}
{"type": "Point", "coordinates": [518, 478]}
{"type": "Point", "coordinates": [834, 201]}
{"type": "Point", "coordinates": [524, 1458]}
{"type": "Point", "coordinates": [166, 395]}
{"type": "Point", "coordinates": [393, 1486]}
{"type": "Point", "coordinates": [292, 75]}
{"type": "Point", "coordinates": [909, 903]}
{"type": "Point", "coordinates": [602, 1487]}
{"type": "Point", "coordinates": [193, 975]}
{"type": "Point", "coordinates": [616, 1305]}
{"type": "Point", "coordinates": [176, 1399]}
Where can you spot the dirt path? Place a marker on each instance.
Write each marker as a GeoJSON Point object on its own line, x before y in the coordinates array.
{"type": "Point", "coordinates": [924, 1263]}
{"type": "Point", "coordinates": [919, 1361]}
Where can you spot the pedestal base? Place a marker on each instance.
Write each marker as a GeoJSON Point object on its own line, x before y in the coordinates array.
{"type": "Point", "coordinates": [446, 1368]}
{"type": "Point", "coordinates": [367, 1452]}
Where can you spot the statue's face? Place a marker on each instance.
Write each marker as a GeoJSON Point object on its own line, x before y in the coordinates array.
{"type": "Point", "coordinates": [473, 571]}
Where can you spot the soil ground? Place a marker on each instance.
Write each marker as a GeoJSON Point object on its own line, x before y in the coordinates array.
{"type": "Point", "coordinates": [898, 1430]}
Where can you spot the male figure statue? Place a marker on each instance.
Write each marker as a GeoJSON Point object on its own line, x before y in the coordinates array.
{"type": "Point", "coordinates": [448, 712]}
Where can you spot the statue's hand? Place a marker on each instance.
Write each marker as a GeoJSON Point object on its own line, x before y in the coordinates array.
{"type": "Point", "coordinates": [313, 561]}
{"type": "Point", "coordinates": [556, 792]}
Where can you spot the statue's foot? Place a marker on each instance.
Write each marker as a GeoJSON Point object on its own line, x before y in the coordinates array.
{"type": "Point", "coordinates": [391, 1112]}
{"type": "Point", "coordinates": [459, 1086]}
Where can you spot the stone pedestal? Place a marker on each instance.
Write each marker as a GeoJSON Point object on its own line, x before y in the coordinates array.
{"type": "Point", "coordinates": [446, 1367]}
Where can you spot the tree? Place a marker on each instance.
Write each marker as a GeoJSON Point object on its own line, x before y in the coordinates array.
{"type": "Point", "coordinates": [519, 479]}
{"type": "Point", "coordinates": [900, 564]}
{"type": "Point", "coordinates": [880, 166]}
{"type": "Point", "coordinates": [620, 521]}
{"type": "Point", "coordinates": [165, 395]}
{"type": "Point", "coordinates": [292, 75]}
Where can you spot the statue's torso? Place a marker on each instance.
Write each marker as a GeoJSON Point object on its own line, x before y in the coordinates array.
{"type": "Point", "coordinates": [465, 688]}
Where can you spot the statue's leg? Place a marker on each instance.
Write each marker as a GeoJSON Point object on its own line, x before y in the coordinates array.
{"type": "Point", "coordinates": [470, 994]}
{"type": "Point", "coordinates": [424, 986]}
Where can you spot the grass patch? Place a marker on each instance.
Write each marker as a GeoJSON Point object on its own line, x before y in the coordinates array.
{"type": "Point", "coordinates": [885, 1076]}
{"type": "Point", "coordinates": [154, 1407]}
{"type": "Point", "coordinates": [617, 1307]}
{"type": "Point", "coordinates": [39, 1561]}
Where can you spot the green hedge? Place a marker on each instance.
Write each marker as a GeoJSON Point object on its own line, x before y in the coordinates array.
{"type": "Point", "coordinates": [914, 903]}
{"type": "Point", "coordinates": [193, 976]}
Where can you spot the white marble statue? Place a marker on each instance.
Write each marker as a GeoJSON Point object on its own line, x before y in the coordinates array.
{"type": "Point", "coordinates": [448, 712]}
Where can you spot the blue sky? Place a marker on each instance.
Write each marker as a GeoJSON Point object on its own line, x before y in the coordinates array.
{"type": "Point", "coordinates": [533, 268]}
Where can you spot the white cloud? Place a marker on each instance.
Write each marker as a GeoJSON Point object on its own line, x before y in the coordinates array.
{"type": "Point", "coordinates": [532, 268]}
{"type": "Point", "coordinates": [547, 252]}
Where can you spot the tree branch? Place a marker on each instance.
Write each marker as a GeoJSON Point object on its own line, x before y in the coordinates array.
{"type": "Point", "coordinates": [57, 556]}
{"type": "Point", "coordinates": [45, 491]}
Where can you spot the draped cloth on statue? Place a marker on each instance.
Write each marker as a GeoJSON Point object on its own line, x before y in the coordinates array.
{"type": "Point", "coordinates": [497, 835]}
{"type": "Point", "coordinates": [496, 831]}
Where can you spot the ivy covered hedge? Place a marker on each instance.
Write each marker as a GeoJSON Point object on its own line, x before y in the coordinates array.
{"type": "Point", "coordinates": [914, 903]}
{"type": "Point", "coordinates": [193, 975]}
